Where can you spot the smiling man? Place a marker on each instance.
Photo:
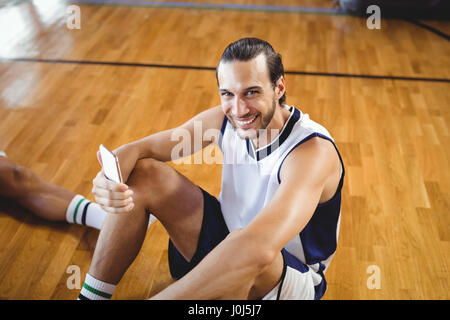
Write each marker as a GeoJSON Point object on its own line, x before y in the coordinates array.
{"type": "Point", "coordinates": [273, 231]}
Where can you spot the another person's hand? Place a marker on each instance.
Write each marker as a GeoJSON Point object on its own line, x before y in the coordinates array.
{"type": "Point", "coordinates": [113, 197]}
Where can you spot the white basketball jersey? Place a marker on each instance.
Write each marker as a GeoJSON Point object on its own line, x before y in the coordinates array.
{"type": "Point", "coordinates": [250, 178]}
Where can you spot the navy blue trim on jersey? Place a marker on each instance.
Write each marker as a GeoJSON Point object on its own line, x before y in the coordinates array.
{"type": "Point", "coordinates": [267, 150]}
{"type": "Point", "coordinates": [283, 275]}
{"type": "Point", "coordinates": [222, 131]}
{"type": "Point", "coordinates": [249, 149]}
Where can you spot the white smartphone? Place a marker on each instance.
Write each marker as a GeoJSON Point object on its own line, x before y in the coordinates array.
{"type": "Point", "coordinates": [111, 167]}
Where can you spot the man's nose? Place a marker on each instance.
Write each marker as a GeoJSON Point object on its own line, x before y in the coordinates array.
{"type": "Point", "coordinates": [240, 109]}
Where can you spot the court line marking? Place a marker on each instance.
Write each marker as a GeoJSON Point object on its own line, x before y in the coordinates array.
{"type": "Point", "coordinates": [429, 28]}
{"type": "Point", "coordinates": [167, 66]}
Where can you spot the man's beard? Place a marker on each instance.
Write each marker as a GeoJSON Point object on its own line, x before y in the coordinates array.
{"type": "Point", "coordinates": [268, 117]}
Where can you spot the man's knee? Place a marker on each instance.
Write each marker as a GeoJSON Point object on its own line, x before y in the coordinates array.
{"type": "Point", "coordinates": [149, 173]}
{"type": "Point", "coordinates": [146, 167]}
{"type": "Point", "coordinates": [155, 184]}
{"type": "Point", "coordinates": [149, 178]}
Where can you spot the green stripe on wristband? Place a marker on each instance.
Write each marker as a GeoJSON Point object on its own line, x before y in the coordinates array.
{"type": "Point", "coordinates": [97, 292]}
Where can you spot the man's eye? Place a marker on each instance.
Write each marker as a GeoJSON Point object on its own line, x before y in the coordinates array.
{"type": "Point", "coordinates": [251, 92]}
{"type": "Point", "coordinates": [226, 94]}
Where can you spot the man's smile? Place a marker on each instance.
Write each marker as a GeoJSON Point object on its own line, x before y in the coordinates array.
{"type": "Point", "coordinates": [247, 122]}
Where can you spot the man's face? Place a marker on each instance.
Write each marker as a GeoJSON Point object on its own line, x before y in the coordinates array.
{"type": "Point", "coordinates": [247, 95]}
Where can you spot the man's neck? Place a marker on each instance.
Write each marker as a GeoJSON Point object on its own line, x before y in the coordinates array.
{"type": "Point", "coordinates": [266, 136]}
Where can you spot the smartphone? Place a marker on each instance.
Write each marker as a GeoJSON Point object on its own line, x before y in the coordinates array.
{"type": "Point", "coordinates": [110, 163]}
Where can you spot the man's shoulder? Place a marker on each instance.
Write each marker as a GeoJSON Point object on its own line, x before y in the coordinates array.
{"type": "Point", "coordinates": [314, 147]}
{"type": "Point", "coordinates": [316, 153]}
{"type": "Point", "coordinates": [212, 117]}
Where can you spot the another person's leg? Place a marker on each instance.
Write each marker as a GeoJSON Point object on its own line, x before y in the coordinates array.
{"type": "Point", "coordinates": [45, 199]}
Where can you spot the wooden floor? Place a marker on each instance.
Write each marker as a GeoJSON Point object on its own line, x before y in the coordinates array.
{"type": "Point", "coordinates": [393, 134]}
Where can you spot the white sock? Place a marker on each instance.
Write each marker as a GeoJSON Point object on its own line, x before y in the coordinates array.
{"type": "Point", "coordinates": [85, 212]}
{"type": "Point", "coordinates": [94, 289]}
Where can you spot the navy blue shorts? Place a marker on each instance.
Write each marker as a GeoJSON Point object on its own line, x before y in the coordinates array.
{"type": "Point", "coordinates": [212, 232]}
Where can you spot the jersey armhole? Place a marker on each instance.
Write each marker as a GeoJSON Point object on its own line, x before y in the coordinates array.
{"type": "Point", "coordinates": [312, 135]}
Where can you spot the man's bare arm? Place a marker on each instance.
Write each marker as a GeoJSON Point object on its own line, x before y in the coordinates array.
{"type": "Point", "coordinates": [159, 146]}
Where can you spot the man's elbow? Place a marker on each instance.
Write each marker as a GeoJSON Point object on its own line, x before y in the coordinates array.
{"type": "Point", "coordinates": [254, 250]}
{"type": "Point", "coordinates": [266, 259]}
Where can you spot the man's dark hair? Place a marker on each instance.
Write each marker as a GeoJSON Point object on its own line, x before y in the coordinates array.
{"type": "Point", "coordinates": [248, 48]}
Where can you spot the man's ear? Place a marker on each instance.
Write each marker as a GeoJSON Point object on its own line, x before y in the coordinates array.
{"type": "Point", "coordinates": [280, 87]}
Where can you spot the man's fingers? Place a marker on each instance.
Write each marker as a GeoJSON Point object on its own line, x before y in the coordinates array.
{"type": "Point", "coordinates": [102, 182]}
{"type": "Point", "coordinates": [111, 195]}
{"type": "Point", "coordinates": [117, 204]}
{"type": "Point", "coordinates": [112, 210]}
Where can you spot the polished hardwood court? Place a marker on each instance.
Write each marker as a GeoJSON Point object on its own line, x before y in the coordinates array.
{"type": "Point", "coordinates": [393, 131]}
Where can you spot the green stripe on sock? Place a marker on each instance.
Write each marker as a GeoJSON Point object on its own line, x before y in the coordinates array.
{"type": "Point", "coordinates": [97, 292]}
{"type": "Point", "coordinates": [76, 210]}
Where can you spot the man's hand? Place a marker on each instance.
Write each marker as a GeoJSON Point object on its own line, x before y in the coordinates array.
{"type": "Point", "coordinates": [113, 197]}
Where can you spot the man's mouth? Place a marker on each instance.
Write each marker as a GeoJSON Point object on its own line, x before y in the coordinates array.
{"type": "Point", "coordinates": [246, 123]}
